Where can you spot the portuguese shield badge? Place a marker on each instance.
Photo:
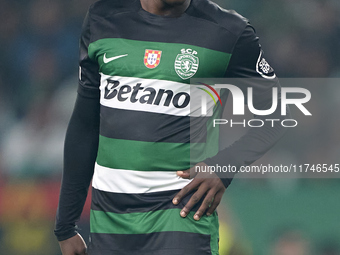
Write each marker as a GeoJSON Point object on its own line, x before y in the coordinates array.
{"type": "Point", "coordinates": [152, 58]}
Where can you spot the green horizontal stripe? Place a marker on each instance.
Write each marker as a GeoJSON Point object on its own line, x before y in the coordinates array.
{"type": "Point", "coordinates": [150, 222]}
{"type": "Point", "coordinates": [148, 156]}
{"type": "Point", "coordinates": [212, 63]}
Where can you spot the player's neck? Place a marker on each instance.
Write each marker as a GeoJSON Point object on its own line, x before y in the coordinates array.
{"type": "Point", "coordinates": [170, 8]}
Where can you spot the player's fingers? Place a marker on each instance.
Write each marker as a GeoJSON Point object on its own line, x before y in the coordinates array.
{"type": "Point", "coordinates": [202, 190]}
{"type": "Point", "coordinates": [187, 174]}
{"type": "Point", "coordinates": [184, 191]}
{"type": "Point", "coordinates": [208, 200]}
{"type": "Point", "coordinates": [184, 174]}
{"type": "Point", "coordinates": [215, 203]}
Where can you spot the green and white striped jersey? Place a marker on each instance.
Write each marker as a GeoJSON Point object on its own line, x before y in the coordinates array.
{"type": "Point", "coordinates": [139, 66]}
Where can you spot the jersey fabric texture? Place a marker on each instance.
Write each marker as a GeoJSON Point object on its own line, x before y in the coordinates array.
{"type": "Point", "coordinates": [139, 66]}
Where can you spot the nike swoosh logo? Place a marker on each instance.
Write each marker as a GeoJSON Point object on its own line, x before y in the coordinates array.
{"type": "Point", "coordinates": [107, 60]}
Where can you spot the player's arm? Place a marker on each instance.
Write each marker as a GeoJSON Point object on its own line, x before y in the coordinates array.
{"type": "Point", "coordinates": [80, 151]}
{"type": "Point", "coordinates": [252, 70]}
{"type": "Point", "coordinates": [244, 63]}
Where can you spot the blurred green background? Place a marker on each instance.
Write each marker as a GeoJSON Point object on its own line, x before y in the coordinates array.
{"type": "Point", "coordinates": [38, 81]}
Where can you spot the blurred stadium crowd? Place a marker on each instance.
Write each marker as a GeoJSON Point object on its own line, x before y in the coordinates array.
{"type": "Point", "coordinates": [38, 80]}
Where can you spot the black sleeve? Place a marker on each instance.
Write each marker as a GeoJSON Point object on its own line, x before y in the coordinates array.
{"type": "Point", "coordinates": [81, 145]}
{"type": "Point", "coordinates": [250, 69]}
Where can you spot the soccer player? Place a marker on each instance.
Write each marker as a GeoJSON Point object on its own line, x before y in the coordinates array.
{"type": "Point", "coordinates": [129, 132]}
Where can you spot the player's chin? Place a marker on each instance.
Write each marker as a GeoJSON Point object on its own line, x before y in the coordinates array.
{"type": "Point", "coordinates": [175, 2]}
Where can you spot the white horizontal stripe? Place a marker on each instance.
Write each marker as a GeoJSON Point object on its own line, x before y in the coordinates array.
{"type": "Point", "coordinates": [131, 99]}
{"type": "Point", "coordinates": [135, 182]}
{"type": "Point", "coordinates": [155, 84]}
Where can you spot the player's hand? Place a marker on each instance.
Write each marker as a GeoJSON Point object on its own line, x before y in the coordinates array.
{"type": "Point", "coordinates": [206, 184]}
{"type": "Point", "coordinates": [73, 246]}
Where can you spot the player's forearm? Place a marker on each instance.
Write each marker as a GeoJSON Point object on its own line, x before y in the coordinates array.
{"type": "Point", "coordinates": [81, 144]}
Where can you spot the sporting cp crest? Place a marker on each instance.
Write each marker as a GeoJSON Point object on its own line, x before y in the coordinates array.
{"type": "Point", "coordinates": [186, 64]}
{"type": "Point", "coordinates": [152, 58]}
